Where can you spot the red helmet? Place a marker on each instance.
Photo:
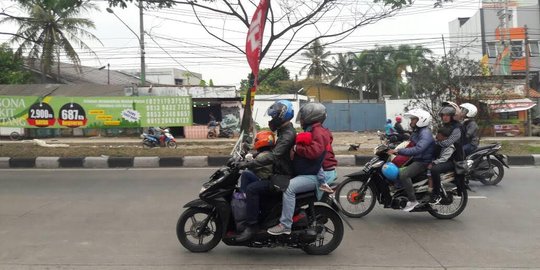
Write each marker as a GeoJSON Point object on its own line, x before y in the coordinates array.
{"type": "Point", "coordinates": [398, 119]}
{"type": "Point", "coordinates": [264, 139]}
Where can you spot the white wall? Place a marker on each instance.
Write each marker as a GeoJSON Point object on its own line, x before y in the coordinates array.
{"type": "Point", "coordinates": [396, 107]}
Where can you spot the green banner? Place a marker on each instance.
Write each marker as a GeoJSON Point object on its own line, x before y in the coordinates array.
{"type": "Point", "coordinates": [94, 112]}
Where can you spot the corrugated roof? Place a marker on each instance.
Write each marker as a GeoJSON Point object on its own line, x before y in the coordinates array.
{"type": "Point", "coordinates": [73, 90]}
{"type": "Point", "coordinates": [90, 75]}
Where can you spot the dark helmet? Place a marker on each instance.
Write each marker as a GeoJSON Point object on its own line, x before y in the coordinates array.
{"type": "Point", "coordinates": [281, 111]}
{"type": "Point", "coordinates": [311, 113]}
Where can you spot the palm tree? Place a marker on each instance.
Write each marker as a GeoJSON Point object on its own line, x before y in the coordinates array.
{"type": "Point", "coordinates": [411, 57]}
{"type": "Point", "coordinates": [319, 67]}
{"type": "Point", "coordinates": [342, 70]}
{"type": "Point", "coordinates": [51, 27]}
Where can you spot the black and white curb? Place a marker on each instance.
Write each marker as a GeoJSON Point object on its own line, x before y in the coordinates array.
{"type": "Point", "coordinates": [187, 161]}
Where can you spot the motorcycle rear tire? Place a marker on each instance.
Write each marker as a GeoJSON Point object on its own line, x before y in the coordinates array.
{"type": "Point", "coordinates": [211, 135]}
{"type": "Point", "coordinates": [345, 195]}
{"type": "Point", "coordinates": [171, 145]}
{"type": "Point", "coordinates": [464, 198]}
{"type": "Point", "coordinates": [323, 215]}
{"type": "Point", "coordinates": [494, 163]}
{"type": "Point", "coordinates": [182, 235]}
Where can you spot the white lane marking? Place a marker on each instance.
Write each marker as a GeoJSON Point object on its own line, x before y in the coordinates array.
{"type": "Point", "coordinates": [477, 197]}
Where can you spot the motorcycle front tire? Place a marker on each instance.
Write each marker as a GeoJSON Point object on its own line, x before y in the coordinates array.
{"type": "Point", "coordinates": [182, 234]}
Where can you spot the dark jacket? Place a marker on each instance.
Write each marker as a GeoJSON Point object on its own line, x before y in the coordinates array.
{"type": "Point", "coordinates": [471, 132]}
{"type": "Point", "coordinates": [321, 144]}
{"type": "Point", "coordinates": [423, 145]}
{"type": "Point", "coordinates": [280, 155]}
{"type": "Point", "coordinates": [398, 128]}
{"type": "Point", "coordinates": [263, 172]}
{"type": "Point", "coordinates": [456, 139]}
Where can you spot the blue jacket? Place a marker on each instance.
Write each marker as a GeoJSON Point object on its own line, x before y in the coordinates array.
{"type": "Point", "coordinates": [423, 145]}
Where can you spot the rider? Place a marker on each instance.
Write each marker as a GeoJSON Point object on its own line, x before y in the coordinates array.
{"type": "Point", "coordinates": [388, 129]}
{"type": "Point", "coordinates": [312, 147]}
{"type": "Point", "coordinates": [281, 112]}
{"type": "Point", "coordinates": [471, 140]}
{"type": "Point", "coordinates": [264, 142]}
{"type": "Point", "coordinates": [450, 114]}
{"type": "Point", "coordinates": [399, 129]}
{"type": "Point", "coordinates": [442, 163]}
{"type": "Point", "coordinates": [421, 152]}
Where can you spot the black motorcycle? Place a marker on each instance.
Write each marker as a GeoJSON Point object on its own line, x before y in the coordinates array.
{"type": "Point", "coordinates": [317, 228]}
{"type": "Point", "coordinates": [358, 193]}
{"type": "Point", "coordinates": [487, 165]}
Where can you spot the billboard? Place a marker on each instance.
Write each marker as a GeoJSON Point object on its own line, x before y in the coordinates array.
{"type": "Point", "coordinates": [95, 112]}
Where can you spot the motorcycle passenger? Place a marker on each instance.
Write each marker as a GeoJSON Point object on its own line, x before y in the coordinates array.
{"type": "Point", "coordinates": [443, 163]}
{"type": "Point", "coordinates": [264, 142]}
{"type": "Point", "coordinates": [472, 139]}
{"type": "Point", "coordinates": [312, 150]}
{"type": "Point", "coordinates": [281, 112]}
{"type": "Point", "coordinates": [421, 153]}
{"type": "Point", "coordinates": [399, 130]}
{"type": "Point", "coordinates": [388, 128]}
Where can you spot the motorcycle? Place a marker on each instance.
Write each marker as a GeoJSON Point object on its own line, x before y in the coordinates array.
{"type": "Point", "coordinates": [219, 130]}
{"type": "Point", "coordinates": [165, 139]}
{"type": "Point", "coordinates": [359, 192]}
{"type": "Point", "coordinates": [317, 228]}
{"type": "Point", "coordinates": [487, 165]}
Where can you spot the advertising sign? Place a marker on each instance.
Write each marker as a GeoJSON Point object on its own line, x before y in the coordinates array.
{"type": "Point", "coordinates": [94, 112]}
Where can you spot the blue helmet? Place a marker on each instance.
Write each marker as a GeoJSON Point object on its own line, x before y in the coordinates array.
{"type": "Point", "coordinates": [281, 111]}
{"type": "Point", "coordinates": [390, 171]}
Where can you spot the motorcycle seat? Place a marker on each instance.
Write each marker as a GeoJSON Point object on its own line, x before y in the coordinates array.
{"type": "Point", "coordinates": [306, 195]}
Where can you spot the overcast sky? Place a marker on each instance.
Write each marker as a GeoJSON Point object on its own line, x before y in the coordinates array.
{"type": "Point", "coordinates": [183, 44]}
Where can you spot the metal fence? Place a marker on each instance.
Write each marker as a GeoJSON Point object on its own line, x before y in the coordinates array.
{"type": "Point", "coordinates": [355, 116]}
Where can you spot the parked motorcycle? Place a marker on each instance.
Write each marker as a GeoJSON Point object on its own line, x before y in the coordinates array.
{"type": "Point", "coordinates": [317, 228]}
{"type": "Point", "coordinates": [219, 130]}
{"type": "Point", "coordinates": [487, 165]}
{"type": "Point", "coordinates": [158, 140]}
{"type": "Point", "coordinates": [359, 192]}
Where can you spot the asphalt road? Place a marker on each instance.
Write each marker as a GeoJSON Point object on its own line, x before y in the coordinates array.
{"type": "Point", "coordinates": [125, 219]}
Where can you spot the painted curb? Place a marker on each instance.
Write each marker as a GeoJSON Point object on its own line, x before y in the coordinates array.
{"type": "Point", "coordinates": [536, 160]}
{"type": "Point", "coordinates": [95, 162]}
{"type": "Point", "coordinates": [521, 160]}
{"type": "Point", "coordinates": [187, 161]}
{"type": "Point", "coordinates": [47, 162]}
{"type": "Point", "coordinates": [346, 160]}
{"type": "Point", "coordinates": [195, 161]}
{"type": "Point", "coordinates": [71, 162]}
{"type": "Point", "coordinates": [145, 162]}
{"type": "Point", "coordinates": [4, 162]}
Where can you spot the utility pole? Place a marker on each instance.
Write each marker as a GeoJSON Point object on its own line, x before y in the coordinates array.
{"type": "Point", "coordinates": [141, 43]}
{"type": "Point", "coordinates": [527, 92]}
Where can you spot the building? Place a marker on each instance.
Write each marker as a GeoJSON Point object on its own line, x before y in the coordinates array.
{"type": "Point", "coordinates": [168, 76]}
{"type": "Point", "coordinates": [496, 35]}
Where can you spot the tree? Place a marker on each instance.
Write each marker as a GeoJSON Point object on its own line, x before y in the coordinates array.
{"type": "Point", "coordinates": [318, 67]}
{"type": "Point", "coordinates": [11, 67]}
{"type": "Point", "coordinates": [202, 83]}
{"type": "Point", "coordinates": [448, 78]}
{"type": "Point", "coordinates": [342, 70]}
{"type": "Point", "coordinates": [272, 84]}
{"type": "Point", "coordinates": [51, 27]}
{"type": "Point", "coordinates": [211, 83]}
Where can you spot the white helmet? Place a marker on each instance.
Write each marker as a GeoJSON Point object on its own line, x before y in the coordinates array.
{"type": "Point", "coordinates": [469, 109]}
{"type": "Point", "coordinates": [424, 118]}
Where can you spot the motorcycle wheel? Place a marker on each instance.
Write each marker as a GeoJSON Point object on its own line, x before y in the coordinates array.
{"type": "Point", "coordinates": [15, 136]}
{"type": "Point", "coordinates": [210, 135]}
{"type": "Point", "coordinates": [453, 209]}
{"type": "Point", "coordinates": [353, 203]}
{"type": "Point", "coordinates": [498, 173]}
{"type": "Point", "coordinates": [190, 223]}
{"type": "Point", "coordinates": [147, 143]}
{"type": "Point", "coordinates": [328, 224]}
{"type": "Point", "coordinates": [171, 144]}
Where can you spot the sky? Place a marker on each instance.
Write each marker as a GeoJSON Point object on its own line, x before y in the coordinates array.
{"type": "Point", "coordinates": [174, 38]}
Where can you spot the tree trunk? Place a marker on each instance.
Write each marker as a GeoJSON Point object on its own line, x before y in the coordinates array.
{"type": "Point", "coordinates": [379, 84]}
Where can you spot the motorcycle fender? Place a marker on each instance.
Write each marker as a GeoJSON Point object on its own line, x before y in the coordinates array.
{"type": "Point", "coordinates": [502, 158]}
{"type": "Point", "coordinates": [198, 203]}
{"type": "Point", "coordinates": [360, 175]}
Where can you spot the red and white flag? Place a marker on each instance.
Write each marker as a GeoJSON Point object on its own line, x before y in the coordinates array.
{"type": "Point", "coordinates": [254, 37]}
